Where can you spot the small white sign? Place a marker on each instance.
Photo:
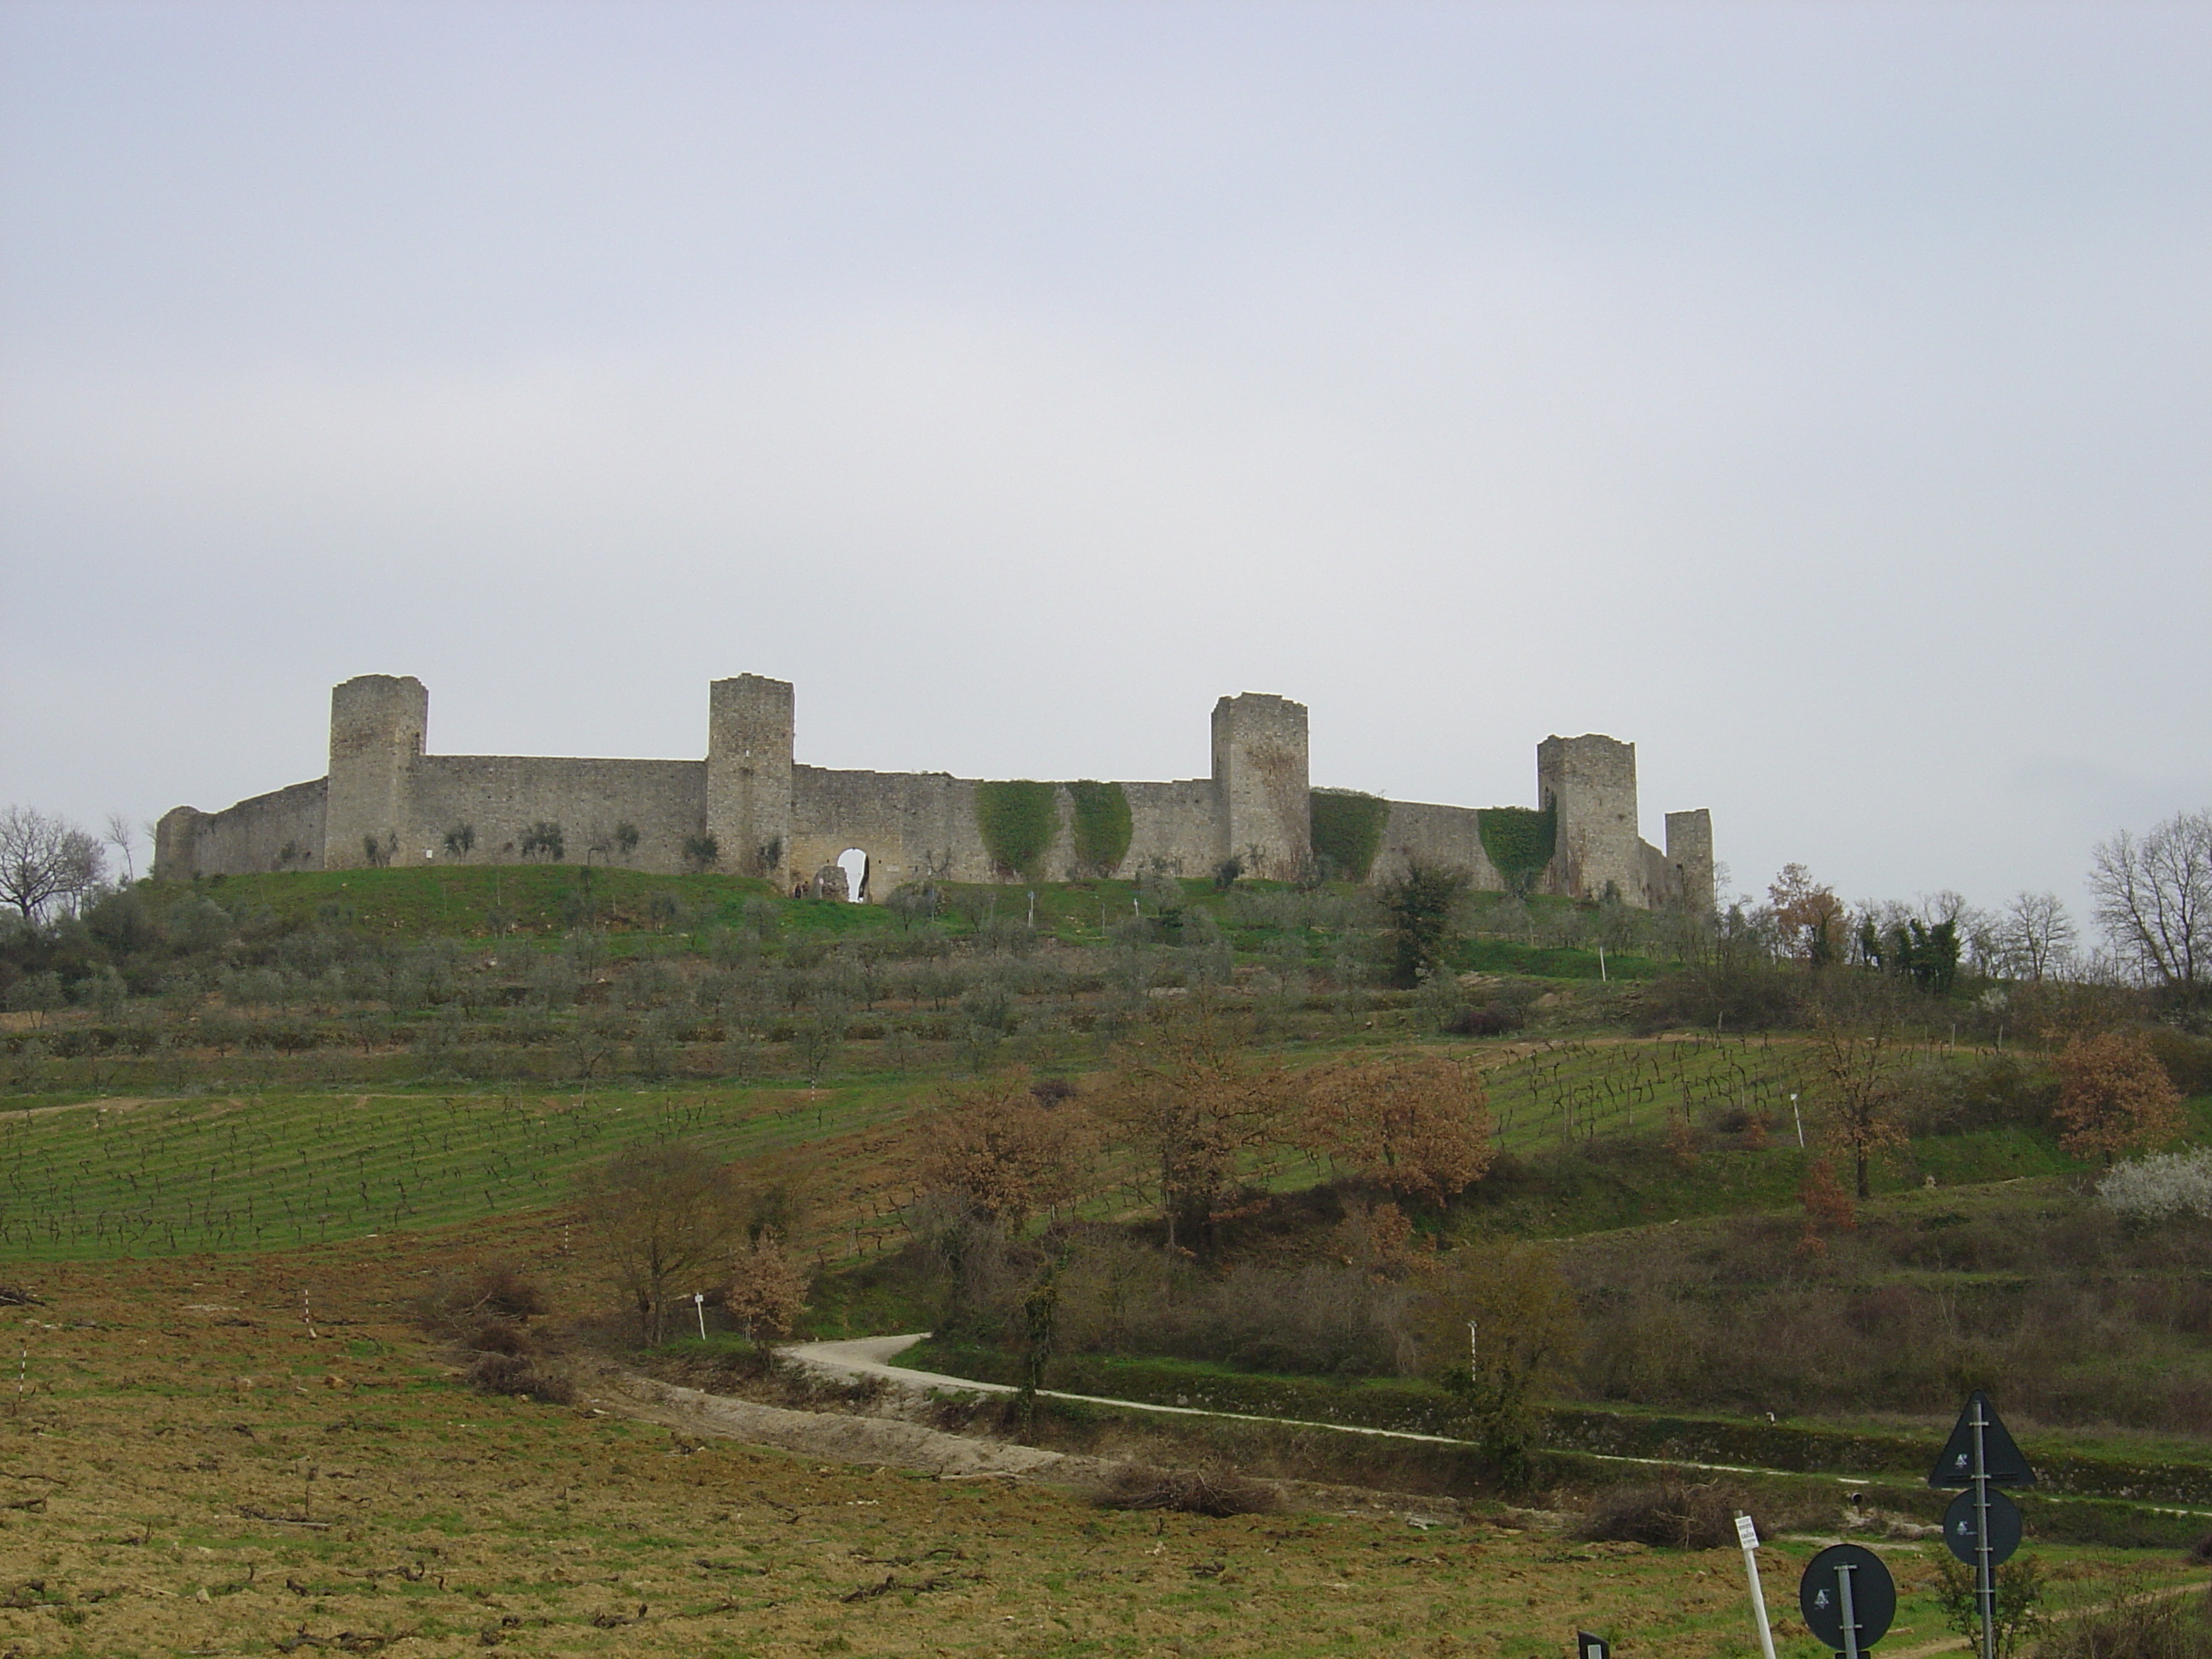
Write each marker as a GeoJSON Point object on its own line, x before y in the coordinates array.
{"type": "Point", "coordinates": [1746, 1533]}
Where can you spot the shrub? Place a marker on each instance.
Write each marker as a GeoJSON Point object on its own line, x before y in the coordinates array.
{"type": "Point", "coordinates": [531, 1376]}
{"type": "Point", "coordinates": [701, 853]}
{"type": "Point", "coordinates": [1681, 1515]}
{"type": "Point", "coordinates": [2017, 1608]}
{"type": "Point", "coordinates": [2168, 1627]}
{"type": "Point", "coordinates": [2158, 1188]}
{"type": "Point", "coordinates": [2187, 1060]}
{"type": "Point", "coordinates": [492, 1292]}
{"type": "Point", "coordinates": [1418, 908]}
{"type": "Point", "coordinates": [1489, 1020]}
{"type": "Point", "coordinates": [1217, 1492]}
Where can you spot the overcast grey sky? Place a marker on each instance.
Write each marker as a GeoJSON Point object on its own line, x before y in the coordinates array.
{"type": "Point", "coordinates": [1819, 396]}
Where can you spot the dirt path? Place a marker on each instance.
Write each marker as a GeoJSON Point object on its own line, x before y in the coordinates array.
{"type": "Point", "coordinates": [1953, 1644]}
{"type": "Point", "coordinates": [871, 1357]}
{"type": "Point", "coordinates": [895, 1442]}
{"type": "Point", "coordinates": [848, 1439]}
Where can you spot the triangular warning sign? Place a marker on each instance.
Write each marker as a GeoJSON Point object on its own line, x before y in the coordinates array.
{"type": "Point", "coordinates": [2001, 1459]}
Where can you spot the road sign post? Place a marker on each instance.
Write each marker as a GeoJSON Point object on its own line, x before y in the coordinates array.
{"type": "Point", "coordinates": [1747, 1536]}
{"type": "Point", "coordinates": [1980, 1454]}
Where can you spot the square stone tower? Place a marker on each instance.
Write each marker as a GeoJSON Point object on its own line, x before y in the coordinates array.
{"type": "Point", "coordinates": [377, 725]}
{"type": "Point", "coordinates": [749, 759]}
{"type": "Point", "coordinates": [1263, 813]}
{"type": "Point", "coordinates": [1589, 781]}
{"type": "Point", "coordinates": [1690, 855]}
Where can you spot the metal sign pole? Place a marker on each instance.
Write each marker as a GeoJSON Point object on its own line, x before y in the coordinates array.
{"type": "Point", "coordinates": [1851, 1612]}
{"type": "Point", "coordinates": [1747, 1536]}
{"type": "Point", "coordinates": [1985, 1573]}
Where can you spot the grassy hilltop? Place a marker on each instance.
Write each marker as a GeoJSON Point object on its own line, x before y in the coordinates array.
{"type": "Point", "coordinates": [219, 1097]}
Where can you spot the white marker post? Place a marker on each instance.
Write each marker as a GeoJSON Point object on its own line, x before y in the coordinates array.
{"type": "Point", "coordinates": [1747, 1536]}
{"type": "Point", "coordinates": [699, 1306]}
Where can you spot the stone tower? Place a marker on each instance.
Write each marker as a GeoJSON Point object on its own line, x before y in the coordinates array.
{"type": "Point", "coordinates": [1690, 855]}
{"type": "Point", "coordinates": [1589, 781]}
{"type": "Point", "coordinates": [749, 748]}
{"type": "Point", "coordinates": [1260, 783]}
{"type": "Point", "coordinates": [377, 725]}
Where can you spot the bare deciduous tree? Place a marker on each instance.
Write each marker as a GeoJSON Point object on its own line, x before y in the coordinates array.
{"type": "Point", "coordinates": [45, 858]}
{"type": "Point", "coordinates": [2154, 901]}
{"type": "Point", "coordinates": [667, 1217]}
{"type": "Point", "coordinates": [2036, 935]}
{"type": "Point", "coordinates": [122, 835]}
{"type": "Point", "coordinates": [1855, 1029]}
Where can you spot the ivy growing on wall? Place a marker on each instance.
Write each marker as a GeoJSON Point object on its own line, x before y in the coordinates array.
{"type": "Point", "coordinates": [1018, 818]}
{"type": "Point", "coordinates": [1346, 827]}
{"type": "Point", "coordinates": [1102, 828]}
{"type": "Point", "coordinates": [1519, 842]}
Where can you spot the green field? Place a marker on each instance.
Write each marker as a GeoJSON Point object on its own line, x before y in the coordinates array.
{"type": "Point", "coordinates": [274, 1171]}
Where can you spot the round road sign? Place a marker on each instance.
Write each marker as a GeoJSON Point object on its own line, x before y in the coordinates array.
{"type": "Point", "coordinates": [1872, 1591]}
{"type": "Point", "coordinates": [1959, 1529]}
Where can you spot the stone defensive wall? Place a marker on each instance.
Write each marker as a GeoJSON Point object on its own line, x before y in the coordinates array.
{"type": "Point", "coordinates": [749, 808]}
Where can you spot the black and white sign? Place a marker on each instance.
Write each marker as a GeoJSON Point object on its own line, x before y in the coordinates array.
{"type": "Point", "coordinates": [1847, 1598]}
{"type": "Point", "coordinates": [2001, 1464]}
{"type": "Point", "coordinates": [1962, 1528]}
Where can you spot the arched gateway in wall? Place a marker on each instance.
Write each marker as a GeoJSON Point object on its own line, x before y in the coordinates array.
{"type": "Point", "coordinates": [749, 808]}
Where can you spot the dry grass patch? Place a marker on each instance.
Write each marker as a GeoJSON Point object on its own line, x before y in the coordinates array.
{"type": "Point", "coordinates": [192, 1471]}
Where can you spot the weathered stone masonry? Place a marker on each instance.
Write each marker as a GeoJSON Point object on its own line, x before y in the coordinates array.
{"type": "Point", "coordinates": [384, 799]}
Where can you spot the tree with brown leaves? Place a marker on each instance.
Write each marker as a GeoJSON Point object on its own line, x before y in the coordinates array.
{"type": "Point", "coordinates": [2113, 1094]}
{"type": "Point", "coordinates": [1005, 1149]}
{"type": "Point", "coordinates": [1812, 920]}
{"type": "Point", "coordinates": [1419, 1125]}
{"type": "Point", "coordinates": [666, 1216]}
{"type": "Point", "coordinates": [1191, 1099]}
{"type": "Point", "coordinates": [1826, 1205]}
{"type": "Point", "coordinates": [767, 1289]}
